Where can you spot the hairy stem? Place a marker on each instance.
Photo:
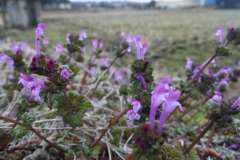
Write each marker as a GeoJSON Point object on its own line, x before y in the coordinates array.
{"type": "Point", "coordinates": [200, 71]}
{"type": "Point", "coordinates": [100, 80]}
{"type": "Point", "coordinates": [34, 131]}
{"type": "Point", "coordinates": [185, 134]}
{"type": "Point", "coordinates": [198, 138]}
{"type": "Point", "coordinates": [106, 129]}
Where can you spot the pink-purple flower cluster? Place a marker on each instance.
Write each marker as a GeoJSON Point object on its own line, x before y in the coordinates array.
{"type": "Point", "coordinates": [133, 113]}
{"type": "Point", "coordinates": [141, 48]}
{"type": "Point", "coordinates": [166, 95]}
{"type": "Point", "coordinates": [39, 35]}
{"type": "Point", "coordinates": [33, 85]}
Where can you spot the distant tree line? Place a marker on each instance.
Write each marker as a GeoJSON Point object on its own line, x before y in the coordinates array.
{"type": "Point", "coordinates": [53, 1]}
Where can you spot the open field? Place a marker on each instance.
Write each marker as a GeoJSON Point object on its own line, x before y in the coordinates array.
{"type": "Point", "coordinates": [173, 35]}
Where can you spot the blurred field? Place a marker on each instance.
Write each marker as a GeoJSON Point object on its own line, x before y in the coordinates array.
{"type": "Point", "coordinates": [173, 35]}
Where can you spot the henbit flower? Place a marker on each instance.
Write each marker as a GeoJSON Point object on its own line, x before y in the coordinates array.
{"type": "Point", "coordinates": [83, 35]}
{"type": "Point", "coordinates": [169, 105]}
{"type": "Point", "coordinates": [237, 139]}
{"type": "Point", "coordinates": [216, 98]}
{"type": "Point", "coordinates": [105, 61]}
{"type": "Point", "coordinates": [101, 43]}
{"type": "Point", "coordinates": [222, 82]}
{"type": "Point", "coordinates": [93, 62]}
{"type": "Point", "coordinates": [95, 44]}
{"type": "Point", "coordinates": [236, 104]}
{"type": "Point", "coordinates": [45, 42]}
{"type": "Point", "coordinates": [225, 71]}
{"type": "Point", "coordinates": [140, 77]}
{"type": "Point", "coordinates": [189, 64]}
{"type": "Point", "coordinates": [233, 146]}
{"type": "Point", "coordinates": [132, 113]}
{"type": "Point", "coordinates": [24, 46]}
{"type": "Point", "coordinates": [68, 39]}
{"type": "Point", "coordinates": [15, 48]}
{"type": "Point", "coordinates": [126, 70]}
{"type": "Point", "coordinates": [118, 77]}
{"type": "Point", "coordinates": [122, 35]}
{"type": "Point", "coordinates": [138, 42]}
{"type": "Point", "coordinates": [32, 84]}
{"type": "Point", "coordinates": [158, 96]}
{"type": "Point", "coordinates": [220, 33]}
{"type": "Point", "coordinates": [5, 58]}
{"type": "Point", "coordinates": [129, 41]}
{"type": "Point", "coordinates": [65, 74]}
{"type": "Point", "coordinates": [92, 71]}
{"type": "Point", "coordinates": [60, 49]}
{"type": "Point", "coordinates": [39, 34]}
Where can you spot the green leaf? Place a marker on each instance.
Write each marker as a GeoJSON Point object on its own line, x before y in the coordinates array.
{"type": "Point", "coordinates": [19, 131]}
{"type": "Point", "coordinates": [72, 107]}
{"type": "Point", "coordinates": [28, 118]}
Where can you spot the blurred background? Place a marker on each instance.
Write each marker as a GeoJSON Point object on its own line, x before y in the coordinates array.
{"type": "Point", "coordinates": [174, 29]}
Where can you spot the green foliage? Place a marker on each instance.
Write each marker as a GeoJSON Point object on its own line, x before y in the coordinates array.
{"type": "Point", "coordinates": [28, 118]}
{"type": "Point", "coordinates": [19, 131]}
{"type": "Point", "coordinates": [72, 107]}
{"type": "Point", "coordinates": [175, 152]}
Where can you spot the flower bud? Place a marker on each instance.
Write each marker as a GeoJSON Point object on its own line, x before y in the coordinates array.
{"type": "Point", "coordinates": [51, 62]}
{"type": "Point", "coordinates": [142, 144]}
{"type": "Point", "coordinates": [144, 127]}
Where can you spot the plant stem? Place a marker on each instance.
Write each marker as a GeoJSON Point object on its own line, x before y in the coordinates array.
{"type": "Point", "coordinates": [100, 80]}
{"type": "Point", "coordinates": [200, 71]}
{"type": "Point", "coordinates": [185, 134]}
{"type": "Point", "coordinates": [34, 131]}
{"type": "Point", "coordinates": [198, 138]}
{"type": "Point", "coordinates": [105, 130]}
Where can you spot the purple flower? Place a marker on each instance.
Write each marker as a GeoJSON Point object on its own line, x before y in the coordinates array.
{"type": "Point", "coordinates": [169, 105]}
{"type": "Point", "coordinates": [216, 98]}
{"type": "Point", "coordinates": [65, 74]}
{"type": "Point", "coordinates": [141, 48]}
{"type": "Point", "coordinates": [39, 34]}
{"type": "Point", "coordinates": [141, 78]}
{"type": "Point", "coordinates": [68, 39]}
{"type": "Point", "coordinates": [118, 77]}
{"type": "Point", "coordinates": [95, 44]}
{"type": "Point", "coordinates": [189, 64]}
{"type": "Point", "coordinates": [15, 48]}
{"type": "Point", "coordinates": [101, 43]}
{"type": "Point", "coordinates": [233, 146]}
{"type": "Point", "coordinates": [159, 94]}
{"type": "Point", "coordinates": [237, 139]}
{"type": "Point", "coordinates": [60, 49]}
{"type": "Point", "coordinates": [222, 82]}
{"type": "Point", "coordinates": [45, 42]}
{"type": "Point", "coordinates": [92, 71]}
{"type": "Point", "coordinates": [132, 113]}
{"type": "Point", "coordinates": [238, 64]}
{"type": "Point", "coordinates": [222, 157]}
{"type": "Point", "coordinates": [5, 58]}
{"type": "Point", "coordinates": [94, 61]}
{"type": "Point", "coordinates": [49, 68]}
{"type": "Point", "coordinates": [24, 46]}
{"type": "Point", "coordinates": [220, 33]}
{"type": "Point", "coordinates": [126, 70]}
{"type": "Point", "coordinates": [225, 71]}
{"type": "Point", "coordinates": [105, 61]}
{"type": "Point", "coordinates": [122, 35]}
{"type": "Point", "coordinates": [83, 35]}
{"type": "Point", "coordinates": [236, 104]}
{"type": "Point", "coordinates": [31, 84]}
